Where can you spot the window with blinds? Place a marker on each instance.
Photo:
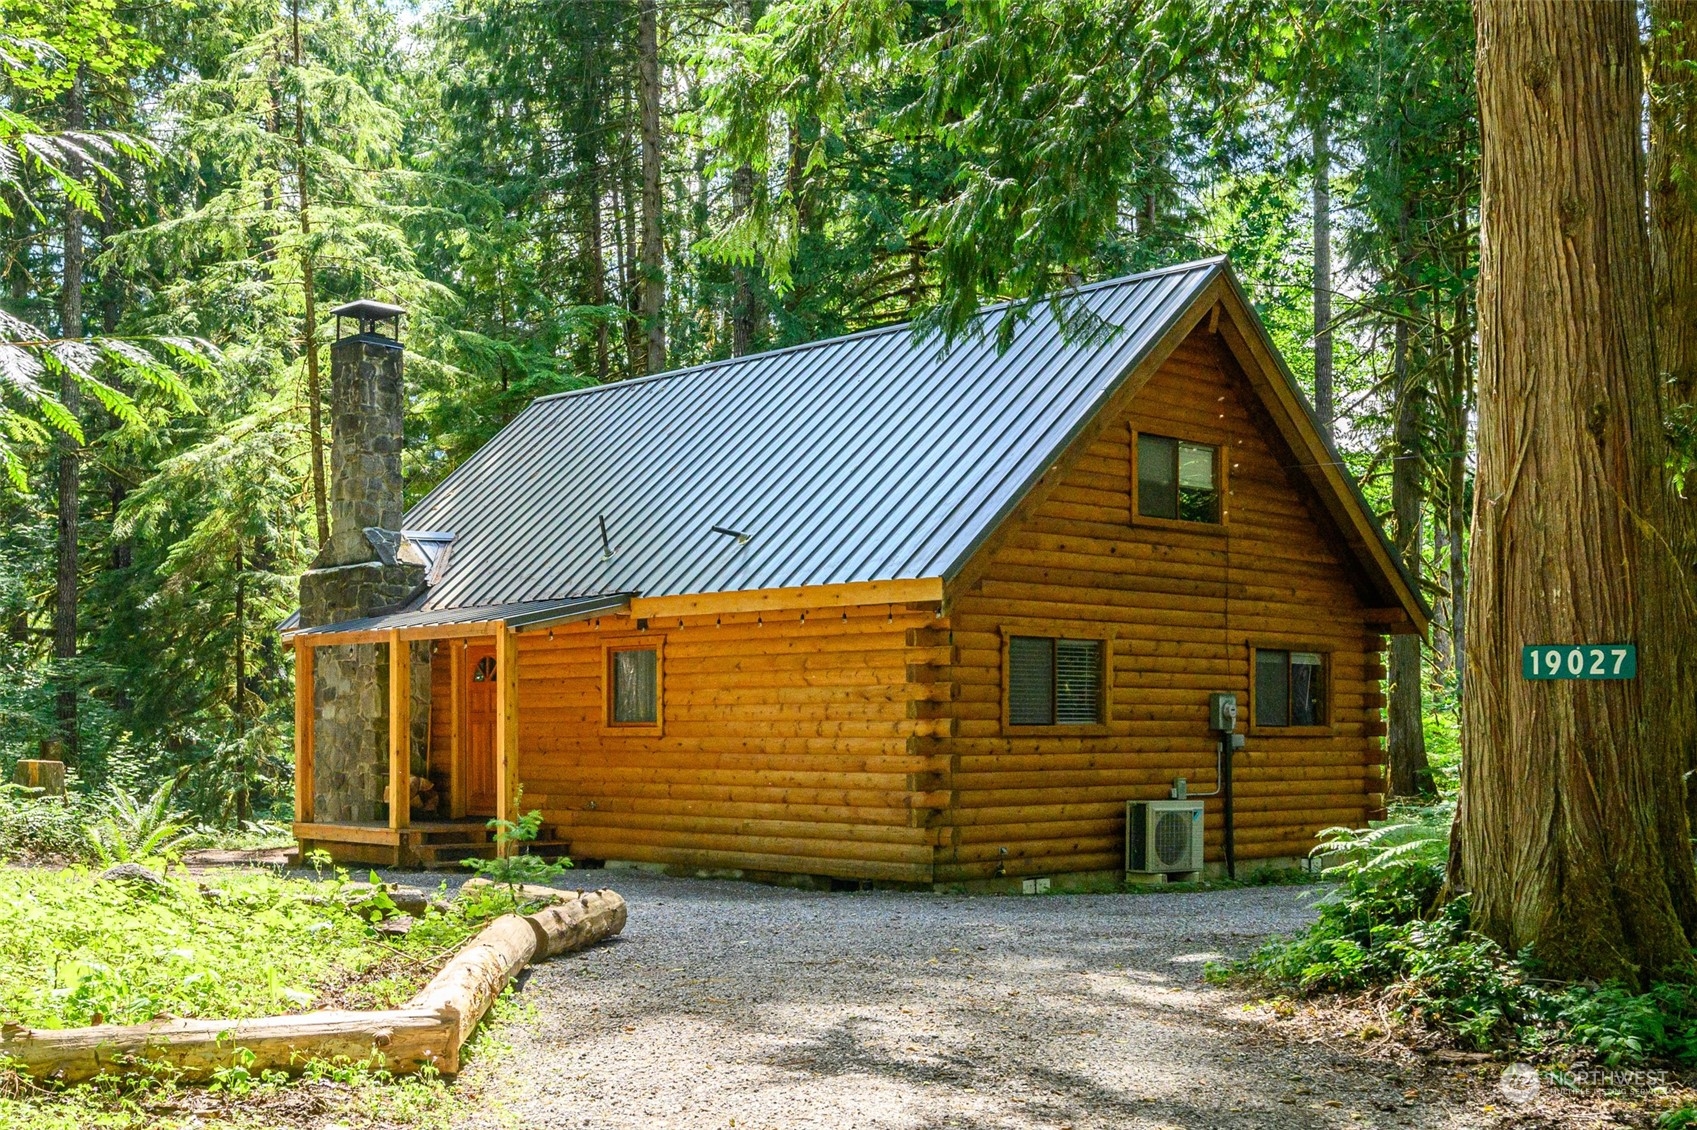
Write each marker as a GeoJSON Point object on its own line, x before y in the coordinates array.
{"type": "Point", "coordinates": [1054, 681]}
{"type": "Point", "coordinates": [635, 690]}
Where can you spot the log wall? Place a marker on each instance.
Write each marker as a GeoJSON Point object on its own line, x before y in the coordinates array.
{"type": "Point", "coordinates": [1184, 606]}
{"type": "Point", "coordinates": [787, 744]}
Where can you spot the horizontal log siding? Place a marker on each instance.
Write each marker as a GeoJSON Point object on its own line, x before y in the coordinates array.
{"type": "Point", "coordinates": [1183, 607]}
{"type": "Point", "coordinates": [788, 745]}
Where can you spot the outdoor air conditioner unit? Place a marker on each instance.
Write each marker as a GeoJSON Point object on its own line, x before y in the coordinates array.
{"type": "Point", "coordinates": [1163, 836]}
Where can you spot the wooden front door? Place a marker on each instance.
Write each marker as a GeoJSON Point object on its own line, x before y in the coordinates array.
{"type": "Point", "coordinates": [478, 741]}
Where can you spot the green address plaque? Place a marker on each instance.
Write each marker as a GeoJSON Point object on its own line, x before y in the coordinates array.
{"type": "Point", "coordinates": [1546, 661]}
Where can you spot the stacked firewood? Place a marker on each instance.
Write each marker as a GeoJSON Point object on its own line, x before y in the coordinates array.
{"type": "Point", "coordinates": [422, 796]}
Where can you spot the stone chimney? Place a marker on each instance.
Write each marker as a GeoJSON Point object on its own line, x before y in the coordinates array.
{"type": "Point", "coordinates": [360, 572]}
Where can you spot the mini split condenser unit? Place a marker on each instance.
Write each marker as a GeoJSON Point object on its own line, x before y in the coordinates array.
{"type": "Point", "coordinates": [1163, 836]}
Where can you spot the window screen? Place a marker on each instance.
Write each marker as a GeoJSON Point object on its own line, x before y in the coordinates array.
{"type": "Point", "coordinates": [1157, 477]}
{"type": "Point", "coordinates": [1176, 479]}
{"type": "Point", "coordinates": [1054, 681]}
{"type": "Point", "coordinates": [1272, 688]}
{"type": "Point", "coordinates": [636, 687]}
{"type": "Point", "coordinates": [1290, 688]}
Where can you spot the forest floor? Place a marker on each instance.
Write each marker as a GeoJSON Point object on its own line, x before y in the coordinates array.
{"type": "Point", "coordinates": [733, 1005]}
{"type": "Point", "coordinates": [727, 1004]}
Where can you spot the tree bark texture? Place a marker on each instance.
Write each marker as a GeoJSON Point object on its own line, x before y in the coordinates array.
{"type": "Point", "coordinates": [744, 312]}
{"type": "Point", "coordinates": [70, 457]}
{"type": "Point", "coordinates": [1575, 839]}
{"type": "Point", "coordinates": [1410, 773]}
{"type": "Point", "coordinates": [309, 321]}
{"type": "Point", "coordinates": [1673, 236]}
{"type": "Point", "coordinates": [1323, 406]}
{"type": "Point", "coordinates": [1673, 193]}
{"type": "Point", "coordinates": [1460, 411]}
{"type": "Point", "coordinates": [597, 270]}
{"type": "Point", "coordinates": [653, 250]}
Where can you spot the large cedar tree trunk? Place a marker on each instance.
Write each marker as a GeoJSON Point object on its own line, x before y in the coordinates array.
{"type": "Point", "coordinates": [1574, 833]}
{"type": "Point", "coordinates": [653, 251]}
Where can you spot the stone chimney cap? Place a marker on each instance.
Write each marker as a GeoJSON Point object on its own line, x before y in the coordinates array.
{"type": "Point", "coordinates": [369, 313]}
{"type": "Point", "coordinates": [366, 309]}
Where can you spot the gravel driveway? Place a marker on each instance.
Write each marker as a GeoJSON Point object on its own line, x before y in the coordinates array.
{"type": "Point", "coordinates": [728, 1004]}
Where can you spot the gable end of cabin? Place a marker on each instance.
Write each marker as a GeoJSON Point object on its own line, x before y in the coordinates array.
{"type": "Point", "coordinates": [1092, 628]}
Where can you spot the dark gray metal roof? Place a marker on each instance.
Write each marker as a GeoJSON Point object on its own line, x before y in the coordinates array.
{"type": "Point", "coordinates": [530, 613]}
{"type": "Point", "coordinates": [862, 458]}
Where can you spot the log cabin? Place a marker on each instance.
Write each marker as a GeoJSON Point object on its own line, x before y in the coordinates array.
{"type": "Point", "coordinates": [873, 609]}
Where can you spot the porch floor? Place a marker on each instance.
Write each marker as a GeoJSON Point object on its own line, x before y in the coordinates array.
{"type": "Point", "coordinates": [422, 843]}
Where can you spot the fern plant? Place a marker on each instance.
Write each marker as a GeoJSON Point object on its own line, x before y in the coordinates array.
{"type": "Point", "coordinates": [1391, 846]}
{"type": "Point", "coordinates": [131, 830]}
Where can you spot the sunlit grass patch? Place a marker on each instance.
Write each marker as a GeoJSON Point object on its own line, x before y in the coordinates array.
{"type": "Point", "coordinates": [77, 950]}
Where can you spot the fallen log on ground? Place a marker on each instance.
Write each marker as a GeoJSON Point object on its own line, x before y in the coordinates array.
{"type": "Point", "coordinates": [576, 922]}
{"type": "Point", "coordinates": [469, 984]}
{"type": "Point", "coordinates": [429, 1030]}
{"type": "Point", "coordinates": [401, 1040]}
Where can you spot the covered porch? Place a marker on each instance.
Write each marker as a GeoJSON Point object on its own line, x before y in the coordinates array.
{"type": "Point", "coordinates": [401, 806]}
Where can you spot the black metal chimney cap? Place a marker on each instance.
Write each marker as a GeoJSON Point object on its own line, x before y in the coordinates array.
{"type": "Point", "coordinates": [369, 313]}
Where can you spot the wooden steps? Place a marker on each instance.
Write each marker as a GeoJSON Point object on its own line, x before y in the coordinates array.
{"type": "Point", "coordinates": [446, 847]}
{"type": "Point", "coordinates": [429, 844]}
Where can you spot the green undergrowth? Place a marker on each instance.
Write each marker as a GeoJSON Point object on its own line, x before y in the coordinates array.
{"type": "Point", "coordinates": [78, 950]}
{"type": "Point", "coordinates": [349, 1096]}
{"type": "Point", "coordinates": [1384, 930]}
{"type": "Point", "coordinates": [115, 826]}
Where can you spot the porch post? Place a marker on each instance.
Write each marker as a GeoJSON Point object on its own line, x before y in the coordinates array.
{"type": "Point", "coordinates": [304, 654]}
{"type": "Point", "coordinates": [506, 722]}
{"type": "Point", "coordinates": [400, 732]}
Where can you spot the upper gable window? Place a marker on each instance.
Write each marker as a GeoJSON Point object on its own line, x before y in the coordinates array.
{"type": "Point", "coordinates": [1177, 479]}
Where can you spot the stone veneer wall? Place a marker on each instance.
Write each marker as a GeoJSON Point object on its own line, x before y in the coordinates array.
{"type": "Point", "coordinates": [347, 581]}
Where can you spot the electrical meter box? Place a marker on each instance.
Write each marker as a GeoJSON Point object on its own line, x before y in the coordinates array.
{"type": "Point", "coordinates": [1222, 712]}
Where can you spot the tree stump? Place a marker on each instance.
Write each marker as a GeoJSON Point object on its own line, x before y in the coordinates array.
{"type": "Point", "coordinates": [48, 776]}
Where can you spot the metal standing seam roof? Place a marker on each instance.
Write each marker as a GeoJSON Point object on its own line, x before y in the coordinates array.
{"type": "Point", "coordinates": [860, 458]}
{"type": "Point", "coordinates": [517, 615]}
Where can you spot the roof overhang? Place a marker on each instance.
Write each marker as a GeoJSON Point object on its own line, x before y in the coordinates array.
{"type": "Point", "coordinates": [461, 623]}
{"type": "Point", "coordinates": [1400, 609]}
